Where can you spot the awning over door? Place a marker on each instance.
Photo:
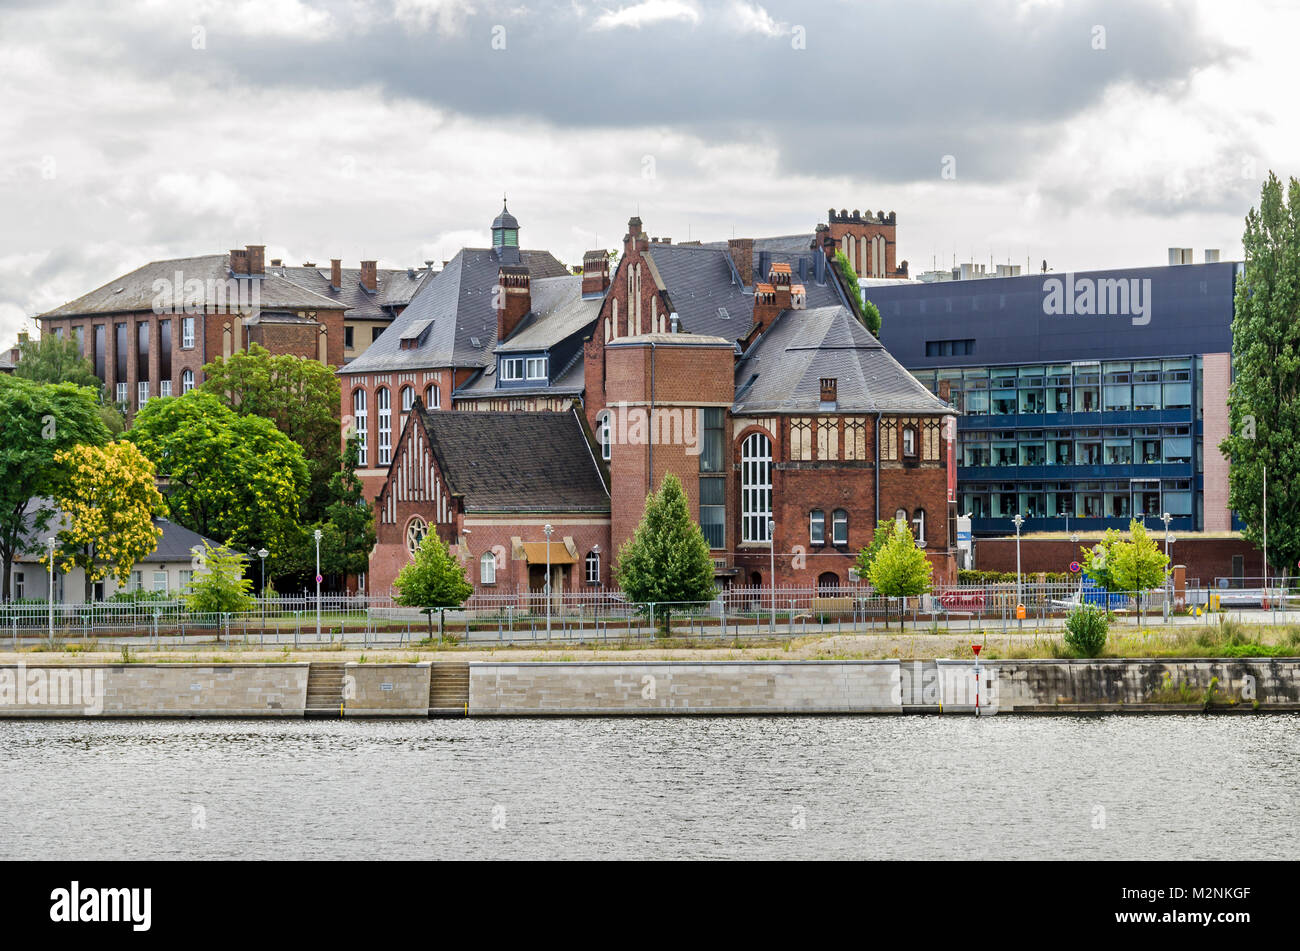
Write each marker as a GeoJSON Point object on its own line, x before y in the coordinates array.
{"type": "Point", "coordinates": [535, 553]}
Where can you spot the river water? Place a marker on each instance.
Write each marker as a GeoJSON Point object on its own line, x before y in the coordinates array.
{"type": "Point", "coordinates": [1167, 787]}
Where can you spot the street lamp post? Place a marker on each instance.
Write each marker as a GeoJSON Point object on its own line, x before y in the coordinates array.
{"type": "Point", "coordinates": [546, 588]}
{"type": "Point", "coordinates": [262, 553]}
{"type": "Point", "coordinates": [1167, 518]}
{"type": "Point", "coordinates": [50, 542]}
{"type": "Point", "coordinates": [1017, 522]}
{"type": "Point", "coordinates": [771, 544]}
{"type": "Point", "coordinates": [317, 535]}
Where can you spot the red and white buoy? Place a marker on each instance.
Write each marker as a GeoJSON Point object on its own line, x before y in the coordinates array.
{"type": "Point", "coordinates": [976, 649]}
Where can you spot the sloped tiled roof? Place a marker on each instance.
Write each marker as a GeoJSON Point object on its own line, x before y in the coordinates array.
{"type": "Point", "coordinates": [458, 301]}
{"type": "Point", "coordinates": [396, 288]}
{"type": "Point", "coordinates": [559, 311]}
{"type": "Point", "coordinates": [135, 291]}
{"type": "Point", "coordinates": [703, 289]}
{"type": "Point", "coordinates": [517, 462]}
{"type": "Point", "coordinates": [782, 372]}
{"type": "Point", "coordinates": [176, 544]}
{"type": "Point", "coordinates": [482, 386]}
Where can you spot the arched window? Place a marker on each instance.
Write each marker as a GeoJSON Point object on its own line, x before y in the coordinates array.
{"type": "Point", "coordinates": [408, 398]}
{"type": "Point", "coordinates": [827, 580]}
{"type": "Point", "coordinates": [487, 568]}
{"type": "Point", "coordinates": [909, 442]}
{"type": "Point", "coordinates": [187, 380]}
{"type": "Point", "coordinates": [919, 521]}
{"type": "Point", "coordinates": [755, 487]}
{"type": "Point", "coordinates": [839, 527]}
{"type": "Point", "coordinates": [384, 411]}
{"type": "Point", "coordinates": [901, 516]}
{"type": "Point", "coordinates": [817, 527]}
{"type": "Point", "coordinates": [359, 419]}
{"type": "Point", "coordinates": [416, 529]}
{"type": "Point", "coordinates": [605, 434]}
{"type": "Point", "coordinates": [593, 567]}
{"type": "Point", "coordinates": [433, 397]}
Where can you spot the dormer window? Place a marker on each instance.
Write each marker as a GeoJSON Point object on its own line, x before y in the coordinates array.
{"type": "Point", "coordinates": [536, 368]}
{"type": "Point", "coordinates": [512, 369]}
{"type": "Point", "coordinates": [522, 369]}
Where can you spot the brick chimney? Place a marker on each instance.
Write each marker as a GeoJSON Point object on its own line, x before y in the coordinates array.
{"type": "Point", "coordinates": [742, 256]}
{"type": "Point", "coordinates": [829, 386]}
{"type": "Point", "coordinates": [256, 258]}
{"type": "Point", "coordinates": [765, 306]}
{"type": "Point", "coordinates": [633, 233]}
{"type": "Point", "coordinates": [595, 272]}
{"type": "Point", "coordinates": [778, 275]}
{"type": "Point", "coordinates": [514, 298]}
{"type": "Point", "coordinates": [238, 261]}
{"type": "Point", "coordinates": [370, 275]}
{"type": "Point", "coordinates": [336, 273]}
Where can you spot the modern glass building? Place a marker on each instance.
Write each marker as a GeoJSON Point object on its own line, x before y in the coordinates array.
{"type": "Point", "coordinates": [1085, 399]}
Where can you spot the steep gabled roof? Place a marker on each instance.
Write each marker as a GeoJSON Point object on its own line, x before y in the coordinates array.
{"type": "Point", "coordinates": [458, 303]}
{"type": "Point", "coordinates": [702, 285]}
{"type": "Point", "coordinates": [517, 462]}
{"type": "Point", "coordinates": [135, 291]}
{"type": "Point", "coordinates": [782, 372]}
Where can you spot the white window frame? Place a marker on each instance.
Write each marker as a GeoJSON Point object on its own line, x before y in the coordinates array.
{"type": "Point", "coordinates": [20, 586]}
{"type": "Point", "coordinates": [160, 575]}
{"type": "Point", "coordinates": [360, 423]}
{"type": "Point", "coordinates": [433, 397]}
{"type": "Point", "coordinates": [605, 433]}
{"type": "Point", "coordinates": [817, 526]}
{"type": "Point", "coordinates": [384, 423]}
{"type": "Point", "coordinates": [839, 518]}
{"type": "Point", "coordinates": [187, 333]}
{"type": "Point", "coordinates": [141, 394]}
{"type": "Point", "coordinates": [592, 565]}
{"type": "Point", "coordinates": [122, 393]}
{"type": "Point", "coordinates": [512, 369]}
{"type": "Point", "coordinates": [137, 581]}
{"type": "Point", "coordinates": [187, 380]}
{"type": "Point", "coordinates": [408, 398]}
{"type": "Point", "coordinates": [919, 521]}
{"type": "Point", "coordinates": [164, 387]}
{"type": "Point", "coordinates": [755, 488]}
{"type": "Point", "coordinates": [535, 368]}
{"type": "Point", "coordinates": [487, 568]}
{"type": "Point", "coordinates": [910, 431]}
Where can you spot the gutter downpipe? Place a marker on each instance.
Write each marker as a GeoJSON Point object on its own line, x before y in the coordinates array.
{"type": "Point", "coordinates": [877, 474]}
{"type": "Point", "coordinates": [650, 443]}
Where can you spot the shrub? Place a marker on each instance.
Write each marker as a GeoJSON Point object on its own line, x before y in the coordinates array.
{"type": "Point", "coordinates": [1085, 630]}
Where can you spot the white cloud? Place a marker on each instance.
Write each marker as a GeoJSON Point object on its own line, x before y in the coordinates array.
{"type": "Point", "coordinates": [752, 18]}
{"type": "Point", "coordinates": [448, 15]}
{"type": "Point", "coordinates": [646, 13]}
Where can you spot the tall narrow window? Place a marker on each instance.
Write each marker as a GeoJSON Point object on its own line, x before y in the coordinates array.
{"type": "Point", "coordinates": [187, 333]}
{"type": "Point", "coordinates": [840, 527]}
{"type": "Point", "coordinates": [360, 421]}
{"type": "Point", "coordinates": [919, 522]}
{"type": "Point", "coordinates": [817, 527]}
{"type": "Point", "coordinates": [384, 412]}
{"type": "Point", "coordinates": [187, 380]}
{"type": "Point", "coordinates": [593, 567]}
{"type": "Point", "coordinates": [909, 442]}
{"type": "Point", "coordinates": [604, 433]}
{"type": "Point", "coordinates": [487, 570]}
{"type": "Point", "coordinates": [755, 487]}
{"type": "Point", "coordinates": [433, 397]}
{"type": "Point", "coordinates": [165, 354]}
{"type": "Point", "coordinates": [408, 398]}
{"type": "Point", "coordinates": [142, 394]}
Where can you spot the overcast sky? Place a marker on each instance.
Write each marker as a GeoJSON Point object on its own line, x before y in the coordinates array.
{"type": "Point", "coordinates": [1091, 134]}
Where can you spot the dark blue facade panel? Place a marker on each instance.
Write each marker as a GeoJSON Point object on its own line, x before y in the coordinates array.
{"type": "Point", "coordinates": [1171, 311]}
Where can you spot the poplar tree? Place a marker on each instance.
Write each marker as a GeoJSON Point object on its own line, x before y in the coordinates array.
{"type": "Point", "coordinates": [433, 580]}
{"type": "Point", "coordinates": [1264, 399]}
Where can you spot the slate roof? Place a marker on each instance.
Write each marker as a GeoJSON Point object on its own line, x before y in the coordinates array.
{"type": "Point", "coordinates": [782, 372]}
{"type": "Point", "coordinates": [458, 301]}
{"type": "Point", "coordinates": [569, 382]}
{"type": "Point", "coordinates": [701, 284]}
{"type": "Point", "coordinates": [559, 311]}
{"type": "Point", "coordinates": [396, 288]}
{"type": "Point", "coordinates": [135, 291]}
{"type": "Point", "coordinates": [517, 462]}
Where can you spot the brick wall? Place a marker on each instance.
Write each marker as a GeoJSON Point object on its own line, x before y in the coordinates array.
{"type": "Point", "coordinates": [1205, 558]}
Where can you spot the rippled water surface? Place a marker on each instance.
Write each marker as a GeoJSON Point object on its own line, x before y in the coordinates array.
{"type": "Point", "coordinates": [747, 787]}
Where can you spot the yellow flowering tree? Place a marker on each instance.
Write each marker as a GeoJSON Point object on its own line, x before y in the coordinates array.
{"type": "Point", "coordinates": [108, 499]}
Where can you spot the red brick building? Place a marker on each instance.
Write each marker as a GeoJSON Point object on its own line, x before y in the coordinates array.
{"type": "Point", "coordinates": [149, 332]}
{"type": "Point", "coordinates": [489, 484]}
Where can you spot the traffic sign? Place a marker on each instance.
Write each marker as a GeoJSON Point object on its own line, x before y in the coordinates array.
{"type": "Point", "coordinates": [976, 648]}
{"type": "Point", "coordinates": [1075, 567]}
{"type": "Point", "coordinates": [319, 579]}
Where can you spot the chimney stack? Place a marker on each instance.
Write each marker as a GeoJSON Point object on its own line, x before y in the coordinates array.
{"type": "Point", "coordinates": [778, 275]}
{"type": "Point", "coordinates": [595, 273]}
{"type": "Point", "coordinates": [370, 276]}
{"type": "Point", "coordinates": [633, 233]}
{"type": "Point", "coordinates": [238, 261]}
{"type": "Point", "coordinates": [742, 256]}
{"type": "Point", "coordinates": [829, 386]}
{"type": "Point", "coordinates": [514, 298]}
{"type": "Point", "coordinates": [256, 258]}
{"type": "Point", "coordinates": [336, 273]}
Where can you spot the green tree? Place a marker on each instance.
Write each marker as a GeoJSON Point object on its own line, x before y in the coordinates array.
{"type": "Point", "coordinates": [868, 313]}
{"type": "Point", "coordinates": [1097, 560]}
{"type": "Point", "coordinates": [349, 526]}
{"type": "Point", "coordinates": [230, 477]}
{"type": "Point", "coordinates": [1264, 398]}
{"type": "Point", "coordinates": [218, 585]}
{"type": "Point", "coordinates": [884, 528]}
{"type": "Point", "coordinates": [52, 359]}
{"type": "Point", "coordinates": [38, 420]}
{"type": "Point", "coordinates": [666, 561]}
{"type": "Point", "coordinates": [432, 580]}
{"type": "Point", "coordinates": [300, 396]}
{"type": "Point", "coordinates": [1138, 563]}
{"type": "Point", "coordinates": [900, 569]}
{"type": "Point", "coordinates": [1086, 630]}
{"type": "Point", "coordinates": [108, 499]}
